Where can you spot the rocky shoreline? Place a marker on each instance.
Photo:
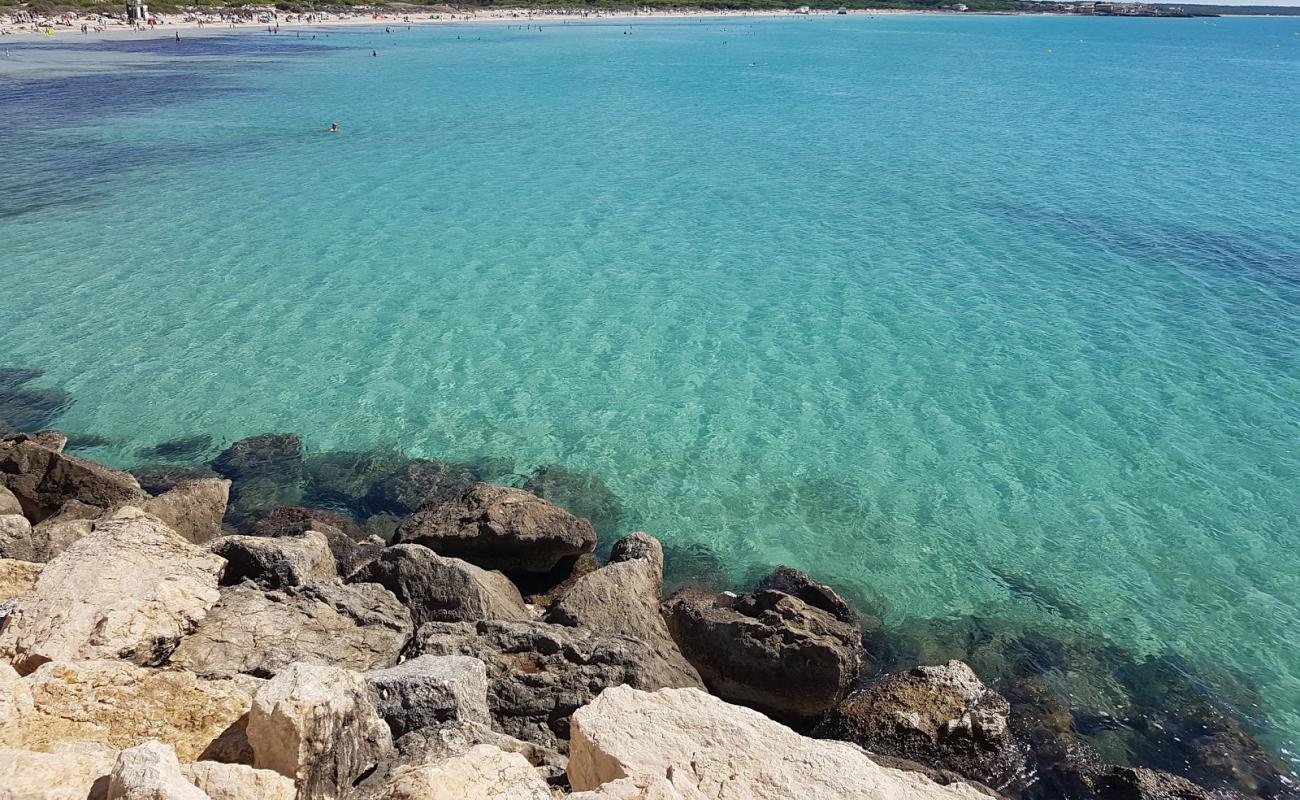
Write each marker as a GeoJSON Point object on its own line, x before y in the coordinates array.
{"type": "Point", "coordinates": [261, 622]}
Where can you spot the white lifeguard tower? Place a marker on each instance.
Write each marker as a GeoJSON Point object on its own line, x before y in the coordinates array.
{"type": "Point", "coordinates": [137, 11]}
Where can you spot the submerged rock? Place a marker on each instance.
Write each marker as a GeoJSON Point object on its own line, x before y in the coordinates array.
{"type": "Point", "coordinates": [185, 448]}
{"type": "Point", "coordinates": [767, 650]}
{"type": "Point", "coordinates": [437, 589]}
{"type": "Point", "coordinates": [130, 590]}
{"type": "Point", "coordinates": [696, 565]}
{"type": "Point", "coordinates": [23, 408]}
{"type": "Point", "coordinates": [709, 749]}
{"type": "Point", "coordinates": [264, 456]}
{"type": "Point", "coordinates": [582, 495]}
{"type": "Point", "coordinates": [343, 480]}
{"type": "Point", "coordinates": [357, 626]}
{"type": "Point", "coordinates": [940, 716]}
{"type": "Point", "coordinates": [416, 484]}
{"type": "Point", "coordinates": [500, 528]}
{"type": "Point", "coordinates": [538, 674]}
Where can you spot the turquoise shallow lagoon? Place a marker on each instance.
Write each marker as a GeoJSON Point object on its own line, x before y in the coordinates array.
{"type": "Point", "coordinates": [912, 303]}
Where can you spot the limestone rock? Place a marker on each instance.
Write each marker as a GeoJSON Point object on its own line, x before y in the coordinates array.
{"type": "Point", "coordinates": [15, 706]}
{"type": "Point", "coordinates": [130, 589]}
{"type": "Point", "coordinates": [623, 597]}
{"type": "Point", "coordinates": [500, 528]}
{"type": "Point", "coordinates": [429, 690]}
{"type": "Point", "coordinates": [18, 578]}
{"type": "Point", "coordinates": [941, 716]}
{"type": "Point", "coordinates": [709, 750]}
{"type": "Point", "coordinates": [71, 771]}
{"type": "Point", "coordinates": [238, 781]}
{"type": "Point", "coordinates": [193, 509]}
{"type": "Point", "coordinates": [438, 589]}
{"type": "Point", "coordinates": [121, 705]}
{"type": "Point", "coordinates": [315, 725]}
{"type": "Point", "coordinates": [358, 626]}
{"type": "Point", "coordinates": [427, 745]}
{"type": "Point", "coordinates": [640, 788]}
{"type": "Point", "coordinates": [150, 771]}
{"type": "Point", "coordinates": [768, 650]}
{"type": "Point", "coordinates": [42, 479]}
{"type": "Point", "coordinates": [157, 479]}
{"type": "Point", "coordinates": [538, 674]}
{"type": "Point", "coordinates": [482, 773]}
{"type": "Point", "coordinates": [16, 538]}
{"type": "Point", "coordinates": [1129, 783]}
{"type": "Point", "coordinates": [276, 563]}
{"type": "Point", "coordinates": [9, 503]}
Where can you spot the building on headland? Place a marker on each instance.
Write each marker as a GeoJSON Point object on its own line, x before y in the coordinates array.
{"type": "Point", "coordinates": [137, 11]}
{"type": "Point", "coordinates": [1103, 8]}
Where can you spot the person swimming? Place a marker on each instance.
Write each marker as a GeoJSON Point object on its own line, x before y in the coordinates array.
{"type": "Point", "coordinates": [374, 54]}
{"type": "Point", "coordinates": [334, 127]}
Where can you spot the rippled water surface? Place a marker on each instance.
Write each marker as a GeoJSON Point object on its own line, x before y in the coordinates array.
{"type": "Point", "coordinates": [935, 305]}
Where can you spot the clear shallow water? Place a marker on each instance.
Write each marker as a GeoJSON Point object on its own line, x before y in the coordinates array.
{"type": "Point", "coordinates": [907, 302]}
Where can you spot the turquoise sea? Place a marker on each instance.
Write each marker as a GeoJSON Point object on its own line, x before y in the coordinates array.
{"type": "Point", "coordinates": [993, 316]}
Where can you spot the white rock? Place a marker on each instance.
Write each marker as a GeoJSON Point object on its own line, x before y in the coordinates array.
{"type": "Point", "coordinates": [316, 725]}
{"type": "Point", "coordinates": [238, 781]}
{"type": "Point", "coordinates": [631, 789]}
{"type": "Point", "coordinates": [150, 771]}
{"type": "Point", "coordinates": [708, 749]}
{"type": "Point", "coordinates": [18, 578]}
{"type": "Point", "coordinates": [129, 590]}
{"type": "Point", "coordinates": [480, 773]}
{"type": "Point", "coordinates": [67, 772]}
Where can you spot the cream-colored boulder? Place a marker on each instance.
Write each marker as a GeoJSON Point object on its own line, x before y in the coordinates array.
{"type": "Point", "coordinates": [9, 503]}
{"type": "Point", "coordinates": [129, 590]}
{"type": "Point", "coordinates": [121, 705]}
{"type": "Point", "coordinates": [193, 509]}
{"type": "Point", "coordinates": [238, 781]}
{"type": "Point", "coordinates": [71, 771]}
{"type": "Point", "coordinates": [15, 705]}
{"type": "Point", "coordinates": [480, 773]}
{"type": "Point", "coordinates": [316, 725]}
{"type": "Point", "coordinates": [710, 750]}
{"type": "Point", "coordinates": [18, 578]}
{"type": "Point", "coordinates": [150, 771]}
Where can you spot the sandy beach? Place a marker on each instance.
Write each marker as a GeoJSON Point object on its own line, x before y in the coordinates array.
{"type": "Point", "coordinates": [71, 24]}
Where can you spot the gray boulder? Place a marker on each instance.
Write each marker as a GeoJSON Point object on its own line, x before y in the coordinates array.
{"type": "Point", "coordinates": [623, 597]}
{"type": "Point", "coordinates": [43, 479]}
{"type": "Point", "coordinates": [357, 626]}
{"type": "Point", "coordinates": [539, 674]}
{"type": "Point", "coordinates": [500, 528]}
{"type": "Point", "coordinates": [438, 589]}
{"type": "Point", "coordinates": [276, 563]}
{"type": "Point", "coordinates": [430, 690]}
{"type": "Point", "coordinates": [941, 716]}
{"type": "Point", "coordinates": [350, 547]}
{"type": "Point", "coordinates": [433, 744]}
{"type": "Point", "coordinates": [9, 503]}
{"type": "Point", "coordinates": [767, 650]}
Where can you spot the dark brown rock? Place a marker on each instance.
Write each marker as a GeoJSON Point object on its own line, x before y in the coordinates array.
{"type": "Point", "coordinates": [500, 528]}
{"type": "Point", "coordinates": [768, 650]}
{"type": "Point", "coordinates": [818, 595]}
{"type": "Point", "coordinates": [942, 716]}
{"type": "Point", "coordinates": [43, 479]}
